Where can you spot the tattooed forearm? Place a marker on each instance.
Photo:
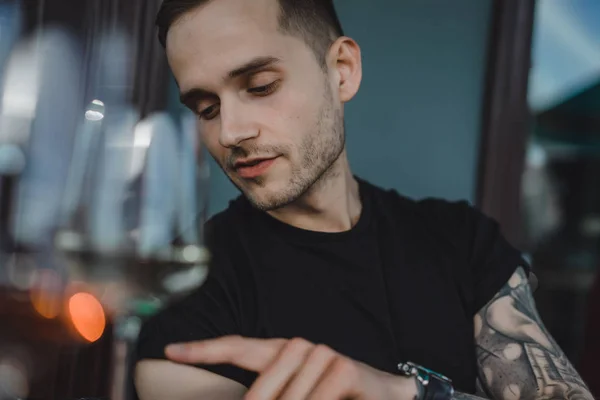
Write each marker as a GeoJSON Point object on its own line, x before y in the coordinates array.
{"type": "Point", "coordinates": [517, 357]}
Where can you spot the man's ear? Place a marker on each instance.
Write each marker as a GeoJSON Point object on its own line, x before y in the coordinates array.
{"type": "Point", "coordinates": [345, 61]}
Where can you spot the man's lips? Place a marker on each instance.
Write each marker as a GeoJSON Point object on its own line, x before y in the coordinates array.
{"type": "Point", "coordinates": [253, 168]}
{"type": "Point", "coordinates": [248, 162]}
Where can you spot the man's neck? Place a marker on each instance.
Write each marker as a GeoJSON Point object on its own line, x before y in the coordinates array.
{"type": "Point", "coordinates": [332, 204]}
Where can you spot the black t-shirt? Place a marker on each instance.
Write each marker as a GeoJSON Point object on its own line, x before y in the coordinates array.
{"type": "Point", "coordinates": [402, 285]}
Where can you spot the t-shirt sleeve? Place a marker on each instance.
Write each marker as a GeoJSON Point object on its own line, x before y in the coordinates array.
{"type": "Point", "coordinates": [213, 310]}
{"type": "Point", "coordinates": [206, 314]}
{"type": "Point", "coordinates": [492, 260]}
{"type": "Point", "coordinates": [484, 261]}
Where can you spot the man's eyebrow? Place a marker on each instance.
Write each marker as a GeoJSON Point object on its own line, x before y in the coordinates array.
{"type": "Point", "coordinates": [253, 66]}
{"type": "Point", "coordinates": [192, 96]}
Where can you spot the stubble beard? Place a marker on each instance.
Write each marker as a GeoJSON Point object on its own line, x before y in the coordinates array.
{"type": "Point", "coordinates": [320, 149]}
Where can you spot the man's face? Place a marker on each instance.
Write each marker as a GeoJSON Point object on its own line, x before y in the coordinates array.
{"type": "Point", "coordinates": [267, 111]}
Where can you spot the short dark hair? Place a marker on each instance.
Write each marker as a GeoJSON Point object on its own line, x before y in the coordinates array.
{"type": "Point", "coordinates": [315, 21]}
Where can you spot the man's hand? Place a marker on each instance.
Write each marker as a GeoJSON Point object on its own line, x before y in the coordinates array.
{"type": "Point", "coordinates": [296, 369]}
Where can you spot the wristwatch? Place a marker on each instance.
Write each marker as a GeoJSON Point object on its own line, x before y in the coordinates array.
{"type": "Point", "coordinates": [431, 385]}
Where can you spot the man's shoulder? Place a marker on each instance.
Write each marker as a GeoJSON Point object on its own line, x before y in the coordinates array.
{"type": "Point", "coordinates": [429, 221]}
{"type": "Point", "coordinates": [186, 314]}
{"type": "Point", "coordinates": [436, 209]}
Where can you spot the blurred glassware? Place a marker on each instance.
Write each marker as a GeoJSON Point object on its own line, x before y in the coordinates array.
{"type": "Point", "coordinates": [35, 112]}
{"type": "Point", "coordinates": [131, 227]}
{"type": "Point", "coordinates": [101, 210]}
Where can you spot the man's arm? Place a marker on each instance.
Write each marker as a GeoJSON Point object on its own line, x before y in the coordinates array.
{"type": "Point", "coordinates": [516, 355]}
{"type": "Point", "coordinates": [159, 380]}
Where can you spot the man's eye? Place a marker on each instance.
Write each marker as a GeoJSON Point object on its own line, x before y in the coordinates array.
{"type": "Point", "coordinates": [209, 112]}
{"type": "Point", "coordinates": [265, 90]}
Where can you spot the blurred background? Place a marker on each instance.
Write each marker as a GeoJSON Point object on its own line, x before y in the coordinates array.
{"type": "Point", "coordinates": [493, 101]}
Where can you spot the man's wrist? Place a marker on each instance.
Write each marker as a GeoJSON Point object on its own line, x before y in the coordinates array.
{"type": "Point", "coordinates": [405, 388]}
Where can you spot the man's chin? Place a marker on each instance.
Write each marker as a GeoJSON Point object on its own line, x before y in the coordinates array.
{"type": "Point", "coordinates": [269, 193]}
{"type": "Point", "coordinates": [265, 200]}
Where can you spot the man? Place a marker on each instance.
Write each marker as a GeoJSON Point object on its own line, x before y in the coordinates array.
{"type": "Point", "coordinates": [321, 284]}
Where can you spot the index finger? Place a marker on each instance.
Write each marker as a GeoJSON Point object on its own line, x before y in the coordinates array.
{"type": "Point", "coordinates": [247, 353]}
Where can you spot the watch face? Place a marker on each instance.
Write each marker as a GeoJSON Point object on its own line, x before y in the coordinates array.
{"type": "Point", "coordinates": [408, 369]}
{"type": "Point", "coordinates": [412, 369]}
{"type": "Point", "coordinates": [437, 375]}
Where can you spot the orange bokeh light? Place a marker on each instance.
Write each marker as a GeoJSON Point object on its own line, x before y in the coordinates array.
{"type": "Point", "coordinates": [87, 316]}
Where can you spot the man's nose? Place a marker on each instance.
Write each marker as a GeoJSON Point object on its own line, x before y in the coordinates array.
{"type": "Point", "coordinates": [236, 125]}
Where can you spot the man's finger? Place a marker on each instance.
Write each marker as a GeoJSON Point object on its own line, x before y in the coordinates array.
{"type": "Point", "coordinates": [250, 354]}
{"type": "Point", "coordinates": [338, 382]}
{"type": "Point", "coordinates": [278, 374]}
{"type": "Point", "coordinates": [310, 373]}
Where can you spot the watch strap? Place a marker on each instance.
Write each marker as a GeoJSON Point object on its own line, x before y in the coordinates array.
{"type": "Point", "coordinates": [431, 385]}
{"type": "Point", "coordinates": [438, 390]}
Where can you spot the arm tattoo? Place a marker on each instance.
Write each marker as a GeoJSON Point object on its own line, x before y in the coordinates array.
{"type": "Point", "coordinates": [517, 357]}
